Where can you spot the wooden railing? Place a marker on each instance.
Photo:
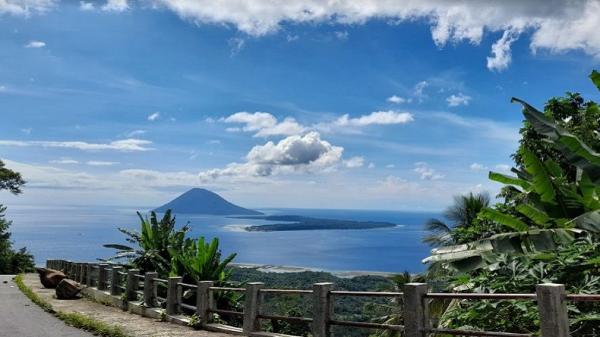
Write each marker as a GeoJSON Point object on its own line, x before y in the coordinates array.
{"type": "Point", "coordinates": [117, 282]}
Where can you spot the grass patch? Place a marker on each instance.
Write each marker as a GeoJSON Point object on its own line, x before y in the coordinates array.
{"type": "Point", "coordinates": [76, 320]}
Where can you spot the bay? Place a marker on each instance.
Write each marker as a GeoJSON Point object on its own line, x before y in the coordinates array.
{"type": "Point", "coordinates": [78, 233]}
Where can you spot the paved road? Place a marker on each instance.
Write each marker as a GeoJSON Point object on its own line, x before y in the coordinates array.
{"type": "Point", "coordinates": [19, 317]}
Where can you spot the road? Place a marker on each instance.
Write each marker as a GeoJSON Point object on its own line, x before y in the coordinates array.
{"type": "Point", "coordinates": [19, 317]}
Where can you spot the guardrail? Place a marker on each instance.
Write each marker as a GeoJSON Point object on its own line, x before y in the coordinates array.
{"type": "Point", "coordinates": [116, 281]}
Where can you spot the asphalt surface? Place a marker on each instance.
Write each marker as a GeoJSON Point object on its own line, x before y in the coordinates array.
{"type": "Point", "coordinates": [19, 317]}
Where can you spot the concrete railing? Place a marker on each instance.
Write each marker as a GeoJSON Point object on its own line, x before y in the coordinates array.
{"type": "Point", "coordinates": [123, 288]}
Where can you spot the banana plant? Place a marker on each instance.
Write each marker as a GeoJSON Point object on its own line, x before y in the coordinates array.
{"type": "Point", "coordinates": [156, 243]}
{"type": "Point", "coordinates": [552, 211]}
{"type": "Point", "coordinates": [199, 260]}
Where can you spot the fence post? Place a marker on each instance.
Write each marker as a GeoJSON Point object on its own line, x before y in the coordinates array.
{"type": "Point", "coordinates": [416, 312]}
{"type": "Point", "coordinates": [81, 278]}
{"type": "Point", "coordinates": [322, 309]}
{"type": "Point", "coordinates": [251, 307]}
{"type": "Point", "coordinates": [102, 276]}
{"type": "Point", "coordinates": [203, 301]}
{"type": "Point", "coordinates": [88, 274]}
{"type": "Point", "coordinates": [132, 284]}
{"type": "Point", "coordinates": [76, 268]}
{"type": "Point", "coordinates": [149, 288]}
{"type": "Point", "coordinates": [552, 305]}
{"type": "Point", "coordinates": [172, 304]}
{"type": "Point", "coordinates": [116, 280]}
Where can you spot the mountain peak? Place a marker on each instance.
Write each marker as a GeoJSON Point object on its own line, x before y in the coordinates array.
{"type": "Point", "coordinates": [202, 201]}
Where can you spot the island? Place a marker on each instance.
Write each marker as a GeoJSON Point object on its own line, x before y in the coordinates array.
{"type": "Point", "coordinates": [203, 201]}
{"type": "Point", "coordinates": [302, 223]}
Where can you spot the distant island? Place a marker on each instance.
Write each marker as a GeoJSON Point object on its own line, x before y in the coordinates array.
{"type": "Point", "coordinates": [202, 201]}
{"type": "Point", "coordinates": [302, 223]}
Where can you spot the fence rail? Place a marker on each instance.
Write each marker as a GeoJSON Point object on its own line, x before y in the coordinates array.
{"type": "Point", "coordinates": [131, 285]}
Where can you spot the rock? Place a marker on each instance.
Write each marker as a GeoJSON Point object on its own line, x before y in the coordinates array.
{"type": "Point", "coordinates": [67, 289]}
{"type": "Point", "coordinates": [50, 278]}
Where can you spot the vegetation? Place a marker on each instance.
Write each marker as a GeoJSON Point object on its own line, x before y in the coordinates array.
{"type": "Point", "coordinates": [302, 223]}
{"type": "Point", "coordinates": [11, 261]}
{"type": "Point", "coordinates": [546, 230]}
{"type": "Point", "coordinates": [74, 319]}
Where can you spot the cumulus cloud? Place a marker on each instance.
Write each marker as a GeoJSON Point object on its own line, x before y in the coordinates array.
{"type": "Point", "coordinates": [86, 6]}
{"type": "Point", "coordinates": [25, 7]}
{"type": "Point", "coordinates": [154, 116]}
{"type": "Point", "coordinates": [501, 54]}
{"type": "Point", "coordinates": [115, 5]}
{"type": "Point", "coordinates": [398, 100]}
{"type": "Point", "coordinates": [64, 161]}
{"type": "Point", "coordinates": [125, 145]}
{"type": "Point", "coordinates": [376, 118]}
{"type": "Point", "coordinates": [307, 153]}
{"type": "Point", "coordinates": [460, 99]}
{"type": "Point", "coordinates": [101, 163]}
{"type": "Point", "coordinates": [356, 162]}
{"type": "Point", "coordinates": [264, 124]}
{"type": "Point", "coordinates": [477, 167]}
{"type": "Point", "coordinates": [35, 44]}
{"type": "Point", "coordinates": [557, 25]}
{"type": "Point", "coordinates": [427, 173]}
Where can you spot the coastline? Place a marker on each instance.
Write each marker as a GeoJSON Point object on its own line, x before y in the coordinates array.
{"type": "Point", "coordinates": [266, 268]}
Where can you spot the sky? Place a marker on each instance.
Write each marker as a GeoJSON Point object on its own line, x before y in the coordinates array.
{"type": "Point", "coordinates": [396, 105]}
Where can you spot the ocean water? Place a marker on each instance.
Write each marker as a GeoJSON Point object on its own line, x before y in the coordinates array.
{"type": "Point", "coordinates": [78, 233]}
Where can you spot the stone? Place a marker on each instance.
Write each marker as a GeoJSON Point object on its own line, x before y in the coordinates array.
{"type": "Point", "coordinates": [67, 289]}
{"type": "Point", "coordinates": [50, 278]}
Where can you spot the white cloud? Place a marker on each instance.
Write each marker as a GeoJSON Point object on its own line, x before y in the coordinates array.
{"type": "Point", "coordinates": [135, 133]}
{"type": "Point", "coordinates": [427, 173]}
{"type": "Point", "coordinates": [306, 153]}
{"type": "Point", "coordinates": [342, 35]}
{"type": "Point", "coordinates": [264, 124]}
{"type": "Point", "coordinates": [503, 168]}
{"type": "Point", "coordinates": [377, 117]}
{"type": "Point", "coordinates": [477, 167]}
{"type": "Point", "coordinates": [501, 54]}
{"type": "Point", "coordinates": [125, 145]}
{"type": "Point", "coordinates": [485, 127]}
{"type": "Point", "coordinates": [65, 161]}
{"type": "Point", "coordinates": [355, 162]}
{"type": "Point", "coordinates": [398, 100]}
{"type": "Point", "coordinates": [371, 165]}
{"type": "Point", "coordinates": [35, 44]}
{"type": "Point", "coordinates": [115, 5]}
{"type": "Point", "coordinates": [236, 44]}
{"type": "Point", "coordinates": [25, 7]}
{"type": "Point", "coordinates": [557, 26]}
{"type": "Point", "coordinates": [86, 6]}
{"type": "Point", "coordinates": [154, 116]}
{"type": "Point", "coordinates": [419, 88]}
{"type": "Point", "coordinates": [460, 99]}
{"type": "Point", "coordinates": [102, 163]}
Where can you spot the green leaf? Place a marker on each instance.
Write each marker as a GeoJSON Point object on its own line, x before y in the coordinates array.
{"type": "Point", "coordinates": [505, 179]}
{"type": "Point", "coordinates": [504, 219]}
{"type": "Point", "coordinates": [538, 216]}
{"type": "Point", "coordinates": [595, 77]}
{"type": "Point", "coordinates": [542, 181]}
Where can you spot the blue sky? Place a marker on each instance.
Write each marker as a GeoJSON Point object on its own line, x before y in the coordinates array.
{"type": "Point", "coordinates": [303, 104]}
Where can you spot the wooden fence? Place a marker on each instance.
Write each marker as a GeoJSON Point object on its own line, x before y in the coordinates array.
{"type": "Point", "coordinates": [143, 290]}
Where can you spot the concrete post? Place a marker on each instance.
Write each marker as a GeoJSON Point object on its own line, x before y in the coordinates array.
{"type": "Point", "coordinates": [149, 288]}
{"type": "Point", "coordinates": [132, 284]}
{"type": "Point", "coordinates": [172, 304]}
{"type": "Point", "coordinates": [102, 276]}
{"type": "Point", "coordinates": [252, 307]}
{"type": "Point", "coordinates": [82, 270]}
{"type": "Point", "coordinates": [88, 274]}
{"type": "Point", "coordinates": [116, 280]}
{"type": "Point", "coordinates": [322, 309]}
{"type": "Point", "coordinates": [552, 305]}
{"type": "Point", "coordinates": [416, 313]}
{"type": "Point", "coordinates": [76, 273]}
{"type": "Point", "coordinates": [203, 301]}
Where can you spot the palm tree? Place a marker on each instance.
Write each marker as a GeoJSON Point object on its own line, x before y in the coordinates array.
{"type": "Point", "coordinates": [461, 214]}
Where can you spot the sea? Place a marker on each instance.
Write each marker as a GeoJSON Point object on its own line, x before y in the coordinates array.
{"type": "Point", "coordinates": [78, 233]}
